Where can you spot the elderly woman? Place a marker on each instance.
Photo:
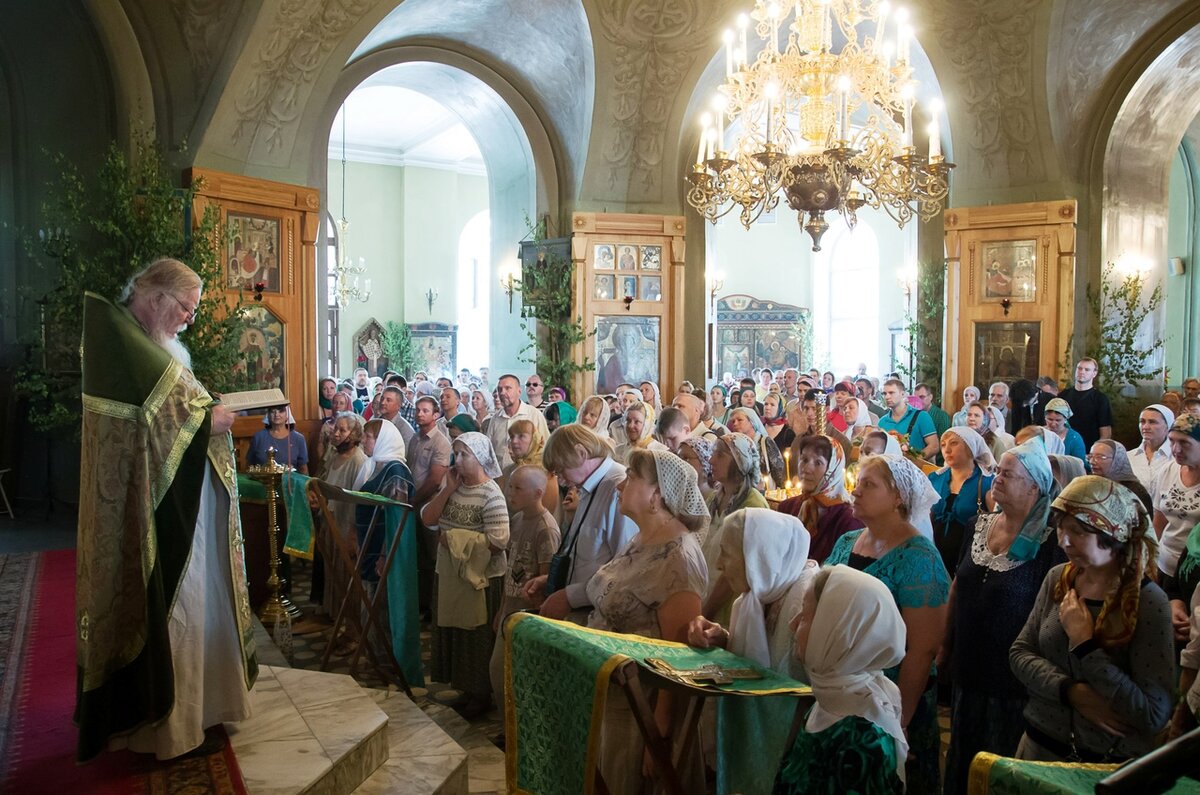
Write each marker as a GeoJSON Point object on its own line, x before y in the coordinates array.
{"type": "Point", "coordinates": [1109, 459]}
{"type": "Point", "coordinates": [962, 485]}
{"type": "Point", "coordinates": [697, 452]}
{"type": "Point", "coordinates": [342, 404]}
{"type": "Point", "coordinates": [745, 421]}
{"type": "Point", "coordinates": [651, 588]}
{"type": "Point", "coordinates": [460, 424]}
{"type": "Point", "coordinates": [470, 516]}
{"type": "Point", "coordinates": [1058, 412]}
{"type": "Point", "coordinates": [994, 590]}
{"type": "Point", "coordinates": [280, 433]}
{"type": "Point", "coordinates": [891, 491]}
{"type": "Point", "coordinates": [763, 555]}
{"type": "Point", "coordinates": [981, 420]}
{"type": "Point", "coordinates": [823, 505]}
{"type": "Point", "coordinates": [639, 432]}
{"type": "Point", "coordinates": [593, 415]}
{"type": "Point", "coordinates": [970, 395]}
{"type": "Point", "coordinates": [1177, 512]}
{"type": "Point", "coordinates": [848, 633]}
{"type": "Point", "coordinates": [735, 473]}
{"type": "Point", "coordinates": [1096, 653]}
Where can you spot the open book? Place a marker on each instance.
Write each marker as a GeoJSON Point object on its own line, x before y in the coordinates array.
{"type": "Point", "coordinates": [253, 399]}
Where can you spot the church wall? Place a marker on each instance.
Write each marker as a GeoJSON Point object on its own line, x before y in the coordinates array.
{"type": "Point", "coordinates": [1183, 240]}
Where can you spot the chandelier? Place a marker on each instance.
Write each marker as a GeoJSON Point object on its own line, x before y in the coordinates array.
{"type": "Point", "coordinates": [346, 274]}
{"type": "Point", "coordinates": [794, 106]}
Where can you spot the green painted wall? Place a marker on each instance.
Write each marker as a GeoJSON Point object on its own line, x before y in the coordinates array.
{"type": "Point", "coordinates": [1183, 240]}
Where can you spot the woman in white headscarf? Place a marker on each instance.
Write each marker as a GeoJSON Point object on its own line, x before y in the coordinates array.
{"type": "Point", "coordinates": [639, 432]}
{"type": "Point", "coordinates": [970, 394]}
{"type": "Point", "coordinates": [962, 484]}
{"type": "Point", "coordinates": [763, 557]}
{"type": "Point", "coordinates": [651, 588]}
{"type": "Point", "coordinates": [858, 417]}
{"type": "Point", "coordinates": [848, 633]}
{"type": "Point", "coordinates": [470, 516]}
{"type": "Point", "coordinates": [890, 493]}
{"type": "Point", "coordinates": [651, 396]}
{"type": "Point", "coordinates": [982, 420]}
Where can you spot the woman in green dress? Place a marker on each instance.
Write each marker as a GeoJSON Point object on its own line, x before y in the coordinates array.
{"type": "Point", "coordinates": [848, 631]}
{"type": "Point", "coordinates": [735, 471]}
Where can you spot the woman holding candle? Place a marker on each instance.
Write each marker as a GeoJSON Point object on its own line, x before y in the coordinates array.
{"type": "Point", "coordinates": [823, 505]}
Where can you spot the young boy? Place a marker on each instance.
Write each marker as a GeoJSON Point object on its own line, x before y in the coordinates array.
{"type": "Point", "coordinates": [672, 428]}
{"type": "Point", "coordinates": [533, 540]}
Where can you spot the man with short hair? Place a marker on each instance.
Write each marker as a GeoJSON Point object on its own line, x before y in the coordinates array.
{"type": "Point", "coordinates": [389, 409]}
{"type": "Point", "coordinates": [692, 409]}
{"type": "Point", "coordinates": [998, 398]}
{"type": "Point", "coordinates": [535, 390]}
{"type": "Point", "coordinates": [1191, 387]}
{"type": "Point", "coordinates": [483, 379]}
{"type": "Point", "coordinates": [362, 385]}
{"type": "Point", "coordinates": [428, 460]}
{"type": "Point", "coordinates": [508, 389]}
{"type": "Point", "coordinates": [941, 420]}
{"type": "Point", "coordinates": [791, 380]}
{"type": "Point", "coordinates": [672, 427]}
{"type": "Point", "coordinates": [407, 409]}
{"type": "Point", "coordinates": [864, 389]}
{"type": "Point", "coordinates": [1091, 412]}
{"type": "Point", "coordinates": [1048, 384]}
{"type": "Point", "coordinates": [908, 420]}
{"type": "Point", "coordinates": [444, 382]}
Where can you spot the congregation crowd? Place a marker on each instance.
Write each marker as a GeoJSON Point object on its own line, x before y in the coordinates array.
{"type": "Point", "coordinates": [1012, 558]}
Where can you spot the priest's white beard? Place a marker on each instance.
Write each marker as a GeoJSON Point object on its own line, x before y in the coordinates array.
{"type": "Point", "coordinates": [173, 346]}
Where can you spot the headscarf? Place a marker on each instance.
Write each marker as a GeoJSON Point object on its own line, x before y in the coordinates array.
{"type": "Point", "coordinates": [602, 419]}
{"type": "Point", "coordinates": [1189, 424]}
{"type": "Point", "coordinates": [537, 443]}
{"type": "Point", "coordinates": [916, 491]}
{"type": "Point", "coordinates": [656, 404]}
{"type": "Point", "coordinates": [566, 412]}
{"type": "Point", "coordinates": [647, 426]}
{"type": "Point", "coordinates": [423, 388]}
{"type": "Point", "coordinates": [782, 403]}
{"type": "Point", "coordinates": [1066, 468]}
{"type": "Point", "coordinates": [752, 416]}
{"type": "Point", "coordinates": [862, 419]}
{"type": "Point", "coordinates": [389, 444]}
{"type": "Point", "coordinates": [465, 423]}
{"type": "Point", "coordinates": [678, 486]}
{"type": "Point", "coordinates": [704, 450]}
{"type": "Point", "coordinates": [996, 421]}
{"type": "Point", "coordinates": [1119, 469]}
{"type": "Point", "coordinates": [772, 548]}
{"type": "Point", "coordinates": [1054, 443]}
{"type": "Point", "coordinates": [745, 453]}
{"type": "Point", "coordinates": [1166, 413]}
{"type": "Point", "coordinates": [1060, 406]}
{"type": "Point", "coordinates": [1108, 507]}
{"type": "Point", "coordinates": [1032, 455]}
{"type": "Point", "coordinates": [291, 420]}
{"type": "Point", "coordinates": [830, 491]}
{"type": "Point", "coordinates": [856, 633]}
{"type": "Point", "coordinates": [978, 447]}
{"type": "Point", "coordinates": [481, 447]}
{"type": "Point", "coordinates": [891, 445]}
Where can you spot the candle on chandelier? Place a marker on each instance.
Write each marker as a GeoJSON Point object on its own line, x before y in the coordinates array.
{"type": "Point", "coordinates": [743, 22]}
{"type": "Point", "coordinates": [844, 108]}
{"type": "Point", "coordinates": [719, 104]}
{"type": "Point", "coordinates": [773, 15]}
{"type": "Point", "coordinates": [903, 38]}
{"type": "Point", "coordinates": [705, 123]}
{"type": "Point", "coordinates": [770, 91]}
{"type": "Point", "coordinates": [712, 143]}
{"type": "Point", "coordinates": [883, 10]}
{"type": "Point", "coordinates": [906, 97]}
{"type": "Point", "coordinates": [935, 129]}
{"type": "Point", "coordinates": [727, 37]}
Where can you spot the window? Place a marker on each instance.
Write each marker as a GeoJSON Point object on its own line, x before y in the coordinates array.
{"type": "Point", "coordinates": [474, 292]}
{"type": "Point", "coordinates": [332, 312]}
{"type": "Point", "coordinates": [846, 298]}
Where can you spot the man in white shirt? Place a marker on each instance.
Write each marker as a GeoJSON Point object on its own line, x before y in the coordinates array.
{"type": "Point", "coordinates": [508, 387]}
{"type": "Point", "coordinates": [597, 532]}
{"type": "Point", "coordinates": [1153, 455]}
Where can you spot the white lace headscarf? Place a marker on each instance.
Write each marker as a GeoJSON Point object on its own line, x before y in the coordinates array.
{"type": "Point", "coordinates": [772, 549]}
{"type": "Point", "coordinates": [677, 482]}
{"type": "Point", "coordinates": [856, 632]}
{"type": "Point", "coordinates": [916, 491]}
{"type": "Point", "coordinates": [1054, 442]}
{"type": "Point", "coordinates": [862, 419]}
{"type": "Point", "coordinates": [481, 447]}
{"type": "Point", "coordinates": [978, 447]}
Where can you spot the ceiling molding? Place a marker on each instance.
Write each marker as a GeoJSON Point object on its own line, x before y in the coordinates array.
{"type": "Point", "coordinates": [388, 156]}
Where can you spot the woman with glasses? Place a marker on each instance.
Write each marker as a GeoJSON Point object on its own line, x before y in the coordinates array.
{"type": "Point", "coordinates": [1109, 459]}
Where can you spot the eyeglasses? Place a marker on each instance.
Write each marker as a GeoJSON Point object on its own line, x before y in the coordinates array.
{"type": "Point", "coordinates": [1094, 457]}
{"type": "Point", "coordinates": [191, 313]}
{"type": "Point", "coordinates": [532, 383]}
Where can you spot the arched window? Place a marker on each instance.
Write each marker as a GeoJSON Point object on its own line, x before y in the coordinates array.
{"type": "Point", "coordinates": [846, 298]}
{"type": "Point", "coordinates": [474, 292]}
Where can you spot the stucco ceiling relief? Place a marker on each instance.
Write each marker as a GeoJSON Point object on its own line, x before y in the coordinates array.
{"type": "Point", "coordinates": [204, 26]}
{"type": "Point", "coordinates": [991, 47]}
{"type": "Point", "coordinates": [288, 58]}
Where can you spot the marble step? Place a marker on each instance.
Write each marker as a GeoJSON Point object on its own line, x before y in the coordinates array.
{"type": "Point", "coordinates": [424, 759]}
{"type": "Point", "coordinates": [310, 732]}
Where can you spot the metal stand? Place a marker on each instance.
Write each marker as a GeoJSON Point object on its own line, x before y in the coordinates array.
{"type": "Point", "coordinates": [278, 606]}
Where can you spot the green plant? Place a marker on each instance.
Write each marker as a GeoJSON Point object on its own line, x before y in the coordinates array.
{"type": "Point", "coordinates": [1118, 307]}
{"type": "Point", "coordinates": [399, 349]}
{"type": "Point", "coordinates": [547, 294]}
{"type": "Point", "coordinates": [923, 328]}
{"type": "Point", "coordinates": [104, 229]}
{"type": "Point", "coordinates": [804, 335]}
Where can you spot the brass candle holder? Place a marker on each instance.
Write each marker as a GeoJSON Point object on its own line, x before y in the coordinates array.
{"type": "Point", "coordinates": [278, 606]}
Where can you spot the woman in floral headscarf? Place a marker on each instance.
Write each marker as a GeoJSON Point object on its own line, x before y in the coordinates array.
{"type": "Point", "coordinates": [1096, 653]}
{"type": "Point", "coordinates": [770, 462]}
{"type": "Point", "coordinates": [823, 505]}
{"type": "Point", "coordinates": [735, 471]}
{"type": "Point", "coordinates": [697, 452]}
{"type": "Point", "coordinates": [890, 493]}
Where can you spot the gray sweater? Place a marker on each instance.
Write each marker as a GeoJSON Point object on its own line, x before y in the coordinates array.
{"type": "Point", "coordinates": [1137, 680]}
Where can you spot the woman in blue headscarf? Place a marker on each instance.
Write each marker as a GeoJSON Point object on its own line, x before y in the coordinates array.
{"type": "Point", "coordinates": [996, 583]}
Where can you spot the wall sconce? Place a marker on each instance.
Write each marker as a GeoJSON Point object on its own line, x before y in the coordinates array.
{"type": "Point", "coordinates": [510, 281]}
{"type": "Point", "coordinates": [431, 295]}
{"type": "Point", "coordinates": [716, 282]}
{"type": "Point", "coordinates": [906, 277]}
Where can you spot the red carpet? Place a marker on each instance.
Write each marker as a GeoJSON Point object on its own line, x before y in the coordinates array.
{"type": "Point", "coordinates": [42, 748]}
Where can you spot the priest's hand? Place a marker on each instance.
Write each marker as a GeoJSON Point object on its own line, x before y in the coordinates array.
{"type": "Point", "coordinates": [556, 605]}
{"type": "Point", "coordinates": [222, 419]}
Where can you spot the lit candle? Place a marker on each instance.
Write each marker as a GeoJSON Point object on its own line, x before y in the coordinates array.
{"type": "Point", "coordinates": [906, 96]}
{"type": "Point", "coordinates": [712, 142]}
{"type": "Point", "coordinates": [770, 92]}
{"type": "Point", "coordinates": [719, 104]}
{"type": "Point", "coordinates": [935, 128]}
{"type": "Point", "coordinates": [904, 36]}
{"type": "Point", "coordinates": [743, 22]}
{"type": "Point", "coordinates": [787, 465]}
{"type": "Point", "coordinates": [883, 10]}
{"type": "Point", "coordinates": [728, 39]}
{"type": "Point", "coordinates": [844, 110]}
{"type": "Point", "coordinates": [705, 122]}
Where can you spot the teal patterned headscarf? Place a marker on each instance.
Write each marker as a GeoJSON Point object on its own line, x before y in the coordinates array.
{"type": "Point", "coordinates": [1188, 571]}
{"type": "Point", "coordinates": [1035, 529]}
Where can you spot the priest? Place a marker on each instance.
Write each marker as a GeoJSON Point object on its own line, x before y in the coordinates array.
{"type": "Point", "coordinates": [163, 625]}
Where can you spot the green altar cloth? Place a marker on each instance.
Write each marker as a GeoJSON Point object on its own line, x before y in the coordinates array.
{"type": "Point", "coordinates": [998, 775]}
{"type": "Point", "coordinates": [555, 686]}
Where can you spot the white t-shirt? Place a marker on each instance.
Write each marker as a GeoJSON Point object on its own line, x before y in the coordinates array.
{"type": "Point", "coordinates": [1149, 469]}
{"type": "Point", "coordinates": [1180, 504]}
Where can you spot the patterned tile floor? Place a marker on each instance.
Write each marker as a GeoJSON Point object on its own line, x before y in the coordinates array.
{"type": "Point", "coordinates": [486, 761]}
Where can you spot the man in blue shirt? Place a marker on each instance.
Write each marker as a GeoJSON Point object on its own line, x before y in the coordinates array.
{"type": "Point", "coordinates": [908, 420]}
